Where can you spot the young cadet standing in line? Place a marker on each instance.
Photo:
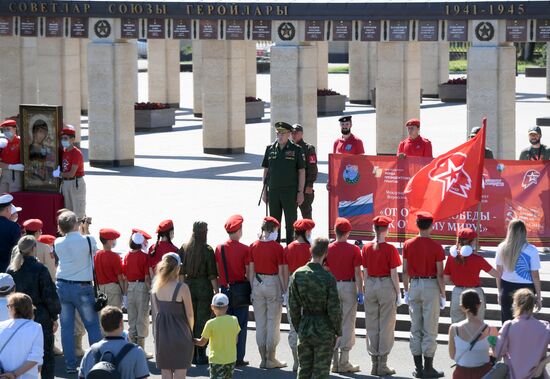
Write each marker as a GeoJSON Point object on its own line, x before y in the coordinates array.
{"type": "Point", "coordinates": [268, 281]}
{"type": "Point", "coordinates": [237, 257]}
{"type": "Point", "coordinates": [344, 262]}
{"type": "Point", "coordinates": [423, 268]}
{"type": "Point", "coordinates": [382, 295]}
{"type": "Point", "coordinates": [415, 145]}
{"type": "Point", "coordinates": [164, 245]}
{"type": "Point", "coordinates": [108, 268]}
{"type": "Point", "coordinates": [296, 255]}
{"type": "Point", "coordinates": [44, 253]}
{"type": "Point", "coordinates": [10, 158]}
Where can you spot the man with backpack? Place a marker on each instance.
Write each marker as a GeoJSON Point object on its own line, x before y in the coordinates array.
{"type": "Point", "coordinates": [113, 357]}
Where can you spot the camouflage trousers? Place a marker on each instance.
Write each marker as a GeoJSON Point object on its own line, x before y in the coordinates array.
{"type": "Point", "coordinates": [218, 371]}
{"type": "Point", "coordinates": [314, 358]}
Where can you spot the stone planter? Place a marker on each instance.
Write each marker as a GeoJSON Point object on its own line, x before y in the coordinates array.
{"type": "Point", "coordinates": [331, 105]}
{"type": "Point", "coordinates": [535, 72]}
{"type": "Point", "coordinates": [254, 110]}
{"type": "Point", "coordinates": [452, 93]}
{"type": "Point", "coordinates": [151, 119]}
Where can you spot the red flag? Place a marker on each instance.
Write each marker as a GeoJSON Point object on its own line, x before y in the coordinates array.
{"type": "Point", "coordinates": [452, 182]}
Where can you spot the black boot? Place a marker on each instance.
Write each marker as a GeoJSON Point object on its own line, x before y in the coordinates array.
{"type": "Point", "coordinates": [429, 370]}
{"type": "Point", "coordinates": [418, 368]}
{"type": "Point", "coordinates": [202, 359]}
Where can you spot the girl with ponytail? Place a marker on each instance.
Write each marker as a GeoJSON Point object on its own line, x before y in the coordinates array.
{"type": "Point", "coordinates": [164, 245]}
{"type": "Point", "coordinates": [462, 269]}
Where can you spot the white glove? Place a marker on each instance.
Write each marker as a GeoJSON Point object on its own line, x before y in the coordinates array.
{"type": "Point", "coordinates": [442, 301]}
{"type": "Point", "coordinates": [16, 167]}
{"type": "Point", "coordinates": [57, 172]}
{"type": "Point", "coordinates": [399, 300]}
{"type": "Point", "coordinates": [406, 298]}
{"type": "Point", "coordinates": [285, 299]}
{"type": "Point", "coordinates": [3, 143]}
{"type": "Point", "coordinates": [125, 301]}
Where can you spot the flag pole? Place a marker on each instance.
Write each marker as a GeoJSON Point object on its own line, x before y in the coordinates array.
{"type": "Point", "coordinates": [478, 226]}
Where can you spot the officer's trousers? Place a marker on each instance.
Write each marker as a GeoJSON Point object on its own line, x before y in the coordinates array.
{"type": "Point", "coordinates": [315, 359]}
{"type": "Point", "coordinates": [347, 292]}
{"type": "Point", "coordinates": [284, 200]}
{"type": "Point", "coordinates": [457, 314]}
{"type": "Point", "coordinates": [113, 293]}
{"type": "Point", "coordinates": [10, 181]}
{"type": "Point", "coordinates": [267, 302]}
{"type": "Point", "coordinates": [138, 310]}
{"type": "Point", "coordinates": [380, 310]}
{"type": "Point", "coordinates": [306, 207]}
{"type": "Point", "coordinates": [74, 194]}
{"type": "Point", "coordinates": [424, 312]}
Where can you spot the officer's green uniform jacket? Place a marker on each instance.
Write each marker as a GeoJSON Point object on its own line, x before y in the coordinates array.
{"type": "Point", "coordinates": [314, 304]}
{"type": "Point", "coordinates": [283, 165]}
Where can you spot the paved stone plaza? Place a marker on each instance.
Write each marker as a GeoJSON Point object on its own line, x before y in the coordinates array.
{"type": "Point", "coordinates": [173, 178]}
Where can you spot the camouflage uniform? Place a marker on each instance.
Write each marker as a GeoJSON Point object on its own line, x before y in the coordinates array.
{"type": "Point", "coordinates": [218, 371]}
{"type": "Point", "coordinates": [311, 177]}
{"type": "Point", "coordinates": [315, 313]}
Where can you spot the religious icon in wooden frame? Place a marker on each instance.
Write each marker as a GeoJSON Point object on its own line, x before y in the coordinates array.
{"type": "Point", "coordinates": [40, 151]}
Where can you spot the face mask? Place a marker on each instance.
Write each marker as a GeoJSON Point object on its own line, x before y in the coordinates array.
{"type": "Point", "coordinates": [65, 144]}
{"type": "Point", "coordinates": [345, 131]}
{"type": "Point", "coordinates": [273, 236]}
{"type": "Point", "coordinates": [8, 135]}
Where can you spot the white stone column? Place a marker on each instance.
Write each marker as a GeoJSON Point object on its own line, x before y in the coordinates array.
{"type": "Point", "coordinates": [491, 92]}
{"type": "Point", "coordinates": [251, 68]}
{"type": "Point", "coordinates": [435, 66]}
{"type": "Point", "coordinates": [197, 77]}
{"type": "Point", "coordinates": [84, 75]}
{"type": "Point", "coordinates": [548, 70]}
{"type": "Point", "coordinates": [10, 76]}
{"type": "Point", "coordinates": [322, 64]}
{"type": "Point", "coordinates": [397, 92]}
{"type": "Point", "coordinates": [362, 71]}
{"type": "Point", "coordinates": [112, 76]}
{"type": "Point", "coordinates": [163, 68]}
{"type": "Point", "coordinates": [294, 87]}
{"type": "Point", "coordinates": [223, 96]}
{"type": "Point", "coordinates": [29, 70]}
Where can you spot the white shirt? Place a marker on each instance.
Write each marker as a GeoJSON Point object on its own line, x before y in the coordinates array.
{"type": "Point", "coordinates": [4, 314]}
{"type": "Point", "coordinates": [26, 345]}
{"type": "Point", "coordinates": [478, 356]}
{"type": "Point", "coordinates": [528, 261]}
{"type": "Point", "coordinates": [73, 252]}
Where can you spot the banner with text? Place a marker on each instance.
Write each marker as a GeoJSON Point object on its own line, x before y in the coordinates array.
{"type": "Point", "coordinates": [363, 187]}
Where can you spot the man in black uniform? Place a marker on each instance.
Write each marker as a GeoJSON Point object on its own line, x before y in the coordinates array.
{"type": "Point", "coordinates": [473, 133]}
{"type": "Point", "coordinates": [537, 151]}
{"type": "Point", "coordinates": [311, 169]}
{"type": "Point", "coordinates": [284, 174]}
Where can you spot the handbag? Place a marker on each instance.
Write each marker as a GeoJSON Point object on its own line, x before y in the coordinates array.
{"type": "Point", "coordinates": [239, 292]}
{"type": "Point", "coordinates": [8, 341]}
{"type": "Point", "coordinates": [100, 297]}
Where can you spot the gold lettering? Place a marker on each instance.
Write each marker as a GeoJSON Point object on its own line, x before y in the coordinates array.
{"type": "Point", "coordinates": [136, 9]}
{"type": "Point", "coordinates": [11, 7]}
{"type": "Point", "coordinates": [234, 10]}
{"type": "Point", "coordinates": [246, 11]}
{"type": "Point", "coordinates": [282, 11]}
{"type": "Point", "coordinates": [34, 8]}
{"type": "Point", "coordinates": [65, 8]}
{"type": "Point", "coordinates": [161, 9]}
{"type": "Point", "coordinates": [22, 7]}
{"type": "Point", "coordinates": [209, 9]}
{"type": "Point", "coordinates": [86, 8]}
{"type": "Point", "coordinates": [111, 8]}
{"type": "Point", "coordinates": [54, 7]}
{"type": "Point", "coordinates": [76, 8]}
{"type": "Point", "coordinates": [200, 9]}
{"type": "Point", "coordinates": [149, 8]}
{"type": "Point", "coordinates": [222, 10]}
{"type": "Point", "coordinates": [269, 9]}
{"type": "Point", "coordinates": [123, 8]}
{"type": "Point", "coordinates": [43, 8]}
{"type": "Point", "coordinates": [258, 11]}
{"type": "Point", "coordinates": [189, 9]}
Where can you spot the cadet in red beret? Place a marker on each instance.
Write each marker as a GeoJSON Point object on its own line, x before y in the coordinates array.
{"type": "Point", "coordinates": [47, 239]}
{"type": "Point", "coordinates": [135, 267]}
{"type": "Point", "coordinates": [463, 268]}
{"type": "Point", "coordinates": [33, 225]}
{"type": "Point", "coordinates": [382, 295]}
{"type": "Point", "coordinates": [108, 268]}
{"type": "Point", "coordinates": [10, 158]}
{"type": "Point", "coordinates": [348, 143]}
{"type": "Point", "coordinates": [44, 250]}
{"type": "Point", "coordinates": [269, 282]}
{"type": "Point", "coordinates": [296, 255]}
{"type": "Point", "coordinates": [164, 245]}
{"type": "Point", "coordinates": [414, 145]}
{"type": "Point", "coordinates": [234, 273]}
{"type": "Point", "coordinates": [423, 268]}
{"type": "Point", "coordinates": [344, 261]}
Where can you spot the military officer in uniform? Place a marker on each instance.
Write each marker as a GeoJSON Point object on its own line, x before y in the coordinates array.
{"type": "Point", "coordinates": [10, 158]}
{"type": "Point", "coordinates": [311, 169]}
{"type": "Point", "coordinates": [348, 143]}
{"type": "Point", "coordinates": [344, 262]}
{"type": "Point", "coordinates": [380, 261]}
{"type": "Point", "coordinates": [284, 175]}
{"type": "Point", "coordinates": [488, 152]}
{"type": "Point", "coordinates": [423, 269]}
{"type": "Point", "coordinates": [315, 313]}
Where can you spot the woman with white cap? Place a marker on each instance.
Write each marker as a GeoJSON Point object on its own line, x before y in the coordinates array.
{"type": "Point", "coordinates": [136, 270]}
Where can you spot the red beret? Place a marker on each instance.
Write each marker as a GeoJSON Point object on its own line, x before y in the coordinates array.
{"type": "Point", "coordinates": [33, 225]}
{"type": "Point", "coordinates": [466, 233]}
{"type": "Point", "coordinates": [47, 239]}
{"type": "Point", "coordinates": [165, 226]}
{"type": "Point", "coordinates": [109, 234]}
{"type": "Point", "coordinates": [382, 221]}
{"type": "Point", "coordinates": [68, 132]}
{"type": "Point", "coordinates": [303, 225]}
{"type": "Point", "coordinates": [423, 215]}
{"type": "Point", "coordinates": [11, 123]}
{"type": "Point", "coordinates": [342, 225]}
{"type": "Point", "coordinates": [413, 122]}
{"type": "Point", "coordinates": [146, 235]}
{"type": "Point", "coordinates": [273, 220]}
{"type": "Point", "coordinates": [233, 223]}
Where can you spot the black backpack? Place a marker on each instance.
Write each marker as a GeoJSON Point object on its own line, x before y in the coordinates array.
{"type": "Point", "coordinates": [106, 366]}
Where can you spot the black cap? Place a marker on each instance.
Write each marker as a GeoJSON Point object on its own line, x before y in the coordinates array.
{"type": "Point", "coordinates": [283, 125]}
{"type": "Point", "coordinates": [535, 129]}
{"type": "Point", "coordinates": [474, 131]}
{"type": "Point", "coordinates": [344, 119]}
{"type": "Point", "coordinates": [297, 128]}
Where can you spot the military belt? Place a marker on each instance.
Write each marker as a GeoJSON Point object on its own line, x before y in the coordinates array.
{"type": "Point", "coordinates": [424, 277]}
{"type": "Point", "coordinates": [347, 280]}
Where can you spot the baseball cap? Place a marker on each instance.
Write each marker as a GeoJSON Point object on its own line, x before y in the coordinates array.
{"type": "Point", "coordinates": [6, 283]}
{"type": "Point", "coordinates": [535, 129]}
{"type": "Point", "coordinates": [220, 300]}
